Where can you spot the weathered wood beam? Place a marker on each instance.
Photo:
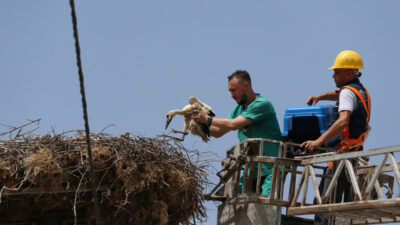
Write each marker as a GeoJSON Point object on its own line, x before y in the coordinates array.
{"type": "Point", "coordinates": [315, 185]}
{"type": "Point", "coordinates": [362, 170]}
{"type": "Point", "coordinates": [236, 184]}
{"type": "Point", "coordinates": [332, 183]}
{"type": "Point", "coordinates": [375, 214]}
{"type": "Point", "coordinates": [292, 184]}
{"type": "Point", "coordinates": [270, 159]}
{"type": "Point", "coordinates": [297, 193]}
{"type": "Point", "coordinates": [346, 206]}
{"type": "Point", "coordinates": [396, 171]}
{"type": "Point", "coordinates": [361, 214]}
{"type": "Point", "coordinates": [353, 179]}
{"type": "Point", "coordinates": [371, 182]}
{"type": "Point", "coordinates": [251, 177]}
{"type": "Point", "coordinates": [257, 199]}
{"type": "Point", "coordinates": [259, 169]}
{"type": "Point", "coordinates": [274, 179]}
{"type": "Point", "coordinates": [244, 181]}
{"type": "Point", "coordinates": [379, 190]}
{"type": "Point", "coordinates": [364, 221]}
{"type": "Point", "coordinates": [305, 186]}
{"type": "Point", "coordinates": [348, 155]}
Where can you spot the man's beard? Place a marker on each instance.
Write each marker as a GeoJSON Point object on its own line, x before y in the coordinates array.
{"type": "Point", "coordinates": [243, 100]}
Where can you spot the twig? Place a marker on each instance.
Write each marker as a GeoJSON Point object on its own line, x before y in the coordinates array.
{"type": "Point", "coordinates": [14, 189]}
{"type": "Point", "coordinates": [76, 197]}
{"type": "Point", "coordinates": [111, 125]}
{"type": "Point", "coordinates": [20, 127]}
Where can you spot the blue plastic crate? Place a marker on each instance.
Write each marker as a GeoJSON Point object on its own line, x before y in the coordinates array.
{"type": "Point", "coordinates": [324, 114]}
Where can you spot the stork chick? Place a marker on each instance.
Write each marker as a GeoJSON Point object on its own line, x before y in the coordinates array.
{"type": "Point", "coordinates": [199, 129]}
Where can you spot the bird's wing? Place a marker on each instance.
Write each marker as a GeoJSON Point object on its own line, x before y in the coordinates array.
{"type": "Point", "coordinates": [198, 129]}
{"type": "Point", "coordinates": [193, 100]}
{"type": "Point", "coordinates": [186, 125]}
{"type": "Point", "coordinates": [187, 109]}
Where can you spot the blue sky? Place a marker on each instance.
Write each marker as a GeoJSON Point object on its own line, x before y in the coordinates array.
{"type": "Point", "coordinates": [144, 58]}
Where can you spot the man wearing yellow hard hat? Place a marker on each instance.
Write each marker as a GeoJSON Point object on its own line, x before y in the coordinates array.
{"type": "Point", "coordinates": [354, 108]}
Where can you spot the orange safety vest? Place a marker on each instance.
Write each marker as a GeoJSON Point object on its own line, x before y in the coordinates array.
{"type": "Point", "coordinates": [346, 143]}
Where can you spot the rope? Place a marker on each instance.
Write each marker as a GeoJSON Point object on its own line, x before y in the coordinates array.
{"type": "Point", "coordinates": [85, 114]}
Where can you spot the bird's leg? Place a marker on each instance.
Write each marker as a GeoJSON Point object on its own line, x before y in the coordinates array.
{"type": "Point", "coordinates": [179, 132]}
{"type": "Point", "coordinates": [167, 136]}
{"type": "Point", "coordinates": [185, 128]}
{"type": "Point", "coordinates": [175, 138]}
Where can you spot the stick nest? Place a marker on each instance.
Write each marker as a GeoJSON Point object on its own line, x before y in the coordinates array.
{"type": "Point", "coordinates": [139, 180]}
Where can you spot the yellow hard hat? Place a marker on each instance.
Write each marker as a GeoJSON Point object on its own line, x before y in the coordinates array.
{"type": "Point", "coordinates": [348, 59]}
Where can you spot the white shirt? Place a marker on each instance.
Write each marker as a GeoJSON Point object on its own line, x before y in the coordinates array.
{"type": "Point", "coordinates": [347, 100]}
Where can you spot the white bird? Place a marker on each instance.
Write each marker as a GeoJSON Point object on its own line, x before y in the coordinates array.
{"type": "Point", "coordinates": [199, 129]}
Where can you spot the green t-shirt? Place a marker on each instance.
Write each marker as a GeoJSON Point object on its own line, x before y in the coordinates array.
{"type": "Point", "coordinates": [264, 125]}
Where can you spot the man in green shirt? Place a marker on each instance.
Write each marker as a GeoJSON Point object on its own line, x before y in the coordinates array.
{"type": "Point", "coordinates": [253, 117]}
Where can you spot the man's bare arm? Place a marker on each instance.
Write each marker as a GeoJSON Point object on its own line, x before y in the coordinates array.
{"type": "Point", "coordinates": [218, 132]}
{"type": "Point", "coordinates": [220, 126]}
{"type": "Point", "coordinates": [335, 129]}
{"type": "Point", "coordinates": [332, 95]}
{"type": "Point", "coordinates": [231, 124]}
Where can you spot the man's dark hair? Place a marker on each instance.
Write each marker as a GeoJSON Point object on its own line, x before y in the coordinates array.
{"type": "Point", "coordinates": [242, 75]}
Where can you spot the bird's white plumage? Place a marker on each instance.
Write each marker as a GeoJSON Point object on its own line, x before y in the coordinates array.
{"type": "Point", "coordinates": [190, 124]}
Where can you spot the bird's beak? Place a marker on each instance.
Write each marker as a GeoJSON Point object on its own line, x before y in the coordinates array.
{"type": "Point", "coordinates": [168, 122]}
